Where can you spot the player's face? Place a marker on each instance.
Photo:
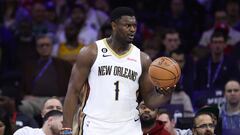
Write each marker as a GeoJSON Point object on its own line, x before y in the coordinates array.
{"type": "Point", "coordinates": [125, 28]}
{"type": "Point", "coordinates": [232, 92]}
{"type": "Point", "coordinates": [204, 125]}
{"type": "Point", "coordinates": [52, 104]}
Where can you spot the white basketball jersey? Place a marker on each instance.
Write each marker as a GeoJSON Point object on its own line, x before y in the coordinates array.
{"type": "Point", "coordinates": [113, 81]}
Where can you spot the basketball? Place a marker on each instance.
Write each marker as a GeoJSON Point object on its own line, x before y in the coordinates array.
{"type": "Point", "coordinates": [164, 72]}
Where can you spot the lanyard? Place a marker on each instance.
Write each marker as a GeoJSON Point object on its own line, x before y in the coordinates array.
{"type": "Point", "coordinates": [216, 74]}
{"type": "Point", "coordinates": [43, 70]}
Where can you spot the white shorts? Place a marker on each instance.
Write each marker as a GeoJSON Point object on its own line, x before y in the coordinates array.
{"type": "Point", "coordinates": [95, 127]}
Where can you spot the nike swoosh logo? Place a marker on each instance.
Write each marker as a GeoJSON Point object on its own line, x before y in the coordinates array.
{"type": "Point", "coordinates": [104, 55]}
{"type": "Point", "coordinates": [136, 119]}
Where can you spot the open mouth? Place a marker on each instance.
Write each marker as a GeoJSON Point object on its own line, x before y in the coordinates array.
{"type": "Point", "coordinates": [131, 36]}
{"type": "Point", "coordinates": [146, 116]}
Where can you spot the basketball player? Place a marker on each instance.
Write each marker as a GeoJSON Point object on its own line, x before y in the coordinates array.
{"type": "Point", "coordinates": [115, 70]}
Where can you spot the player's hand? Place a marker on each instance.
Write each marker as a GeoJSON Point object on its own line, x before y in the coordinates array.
{"type": "Point", "coordinates": [165, 91]}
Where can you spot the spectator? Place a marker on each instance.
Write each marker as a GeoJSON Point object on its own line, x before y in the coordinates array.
{"type": "Point", "coordinates": [10, 12]}
{"type": "Point", "coordinates": [52, 103]}
{"type": "Point", "coordinates": [6, 127]}
{"type": "Point", "coordinates": [230, 110]}
{"type": "Point", "coordinates": [52, 125]}
{"type": "Point", "coordinates": [213, 71]}
{"type": "Point", "coordinates": [171, 41]}
{"type": "Point", "coordinates": [187, 65]}
{"type": "Point", "coordinates": [86, 34]}
{"type": "Point", "coordinates": [46, 77]}
{"type": "Point", "coordinates": [169, 123]}
{"type": "Point", "coordinates": [18, 119]}
{"type": "Point", "coordinates": [233, 10]}
{"type": "Point", "coordinates": [152, 44]}
{"type": "Point", "coordinates": [222, 25]}
{"type": "Point", "coordinates": [150, 125]}
{"type": "Point", "coordinates": [69, 50]}
{"type": "Point", "coordinates": [178, 17]}
{"type": "Point", "coordinates": [204, 122]}
{"type": "Point", "coordinates": [25, 42]}
{"type": "Point", "coordinates": [39, 20]}
{"type": "Point", "coordinates": [97, 13]}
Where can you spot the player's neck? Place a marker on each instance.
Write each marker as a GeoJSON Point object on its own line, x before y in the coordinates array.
{"type": "Point", "coordinates": [118, 46]}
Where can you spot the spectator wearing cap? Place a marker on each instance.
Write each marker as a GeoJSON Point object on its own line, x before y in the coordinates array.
{"type": "Point", "coordinates": [52, 125]}
{"type": "Point", "coordinates": [230, 110]}
{"type": "Point", "coordinates": [205, 121]}
{"type": "Point", "coordinates": [221, 24]}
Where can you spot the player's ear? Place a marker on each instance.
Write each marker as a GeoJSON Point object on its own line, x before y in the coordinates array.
{"type": "Point", "coordinates": [113, 24]}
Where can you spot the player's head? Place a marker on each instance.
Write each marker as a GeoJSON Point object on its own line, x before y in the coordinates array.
{"type": "Point", "coordinates": [203, 124]}
{"type": "Point", "coordinates": [123, 24]}
{"type": "Point", "coordinates": [166, 117]}
{"type": "Point", "coordinates": [53, 121]}
{"type": "Point", "coordinates": [232, 92]}
{"type": "Point", "coordinates": [51, 104]}
{"type": "Point", "coordinates": [147, 116]}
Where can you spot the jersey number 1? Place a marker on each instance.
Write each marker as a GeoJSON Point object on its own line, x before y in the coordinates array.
{"type": "Point", "coordinates": [116, 89]}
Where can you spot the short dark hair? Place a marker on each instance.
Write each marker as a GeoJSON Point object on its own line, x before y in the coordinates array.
{"type": "Point", "coordinates": [121, 11]}
{"type": "Point", "coordinates": [52, 113]}
{"type": "Point", "coordinates": [203, 113]}
{"type": "Point", "coordinates": [169, 31]}
{"type": "Point", "coordinates": [46, 35]}
{"type": "Point", "coordinates": [78, 6]}
{"type": "Point", "coordinates": [165, 111]}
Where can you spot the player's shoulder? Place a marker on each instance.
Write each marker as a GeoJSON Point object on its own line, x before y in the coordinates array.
{"type": "Point", "coordinates": [89, 49]}
{"type": "Point", "coordinates": [145, 57]}
{"type": "Point", "coordinates": [145, 60]}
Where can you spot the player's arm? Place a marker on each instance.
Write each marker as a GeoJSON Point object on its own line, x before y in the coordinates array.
{"type": "Point", "coordinates": [150, 96]}
{"type": "Point", "coordinates": [79, 76]}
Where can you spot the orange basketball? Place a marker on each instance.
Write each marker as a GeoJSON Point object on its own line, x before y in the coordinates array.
{"type": "Point", "coordinates": [164, 72]}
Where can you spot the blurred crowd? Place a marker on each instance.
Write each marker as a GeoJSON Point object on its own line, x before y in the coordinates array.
{"type": "Point", "coordinates": [40, 40]}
